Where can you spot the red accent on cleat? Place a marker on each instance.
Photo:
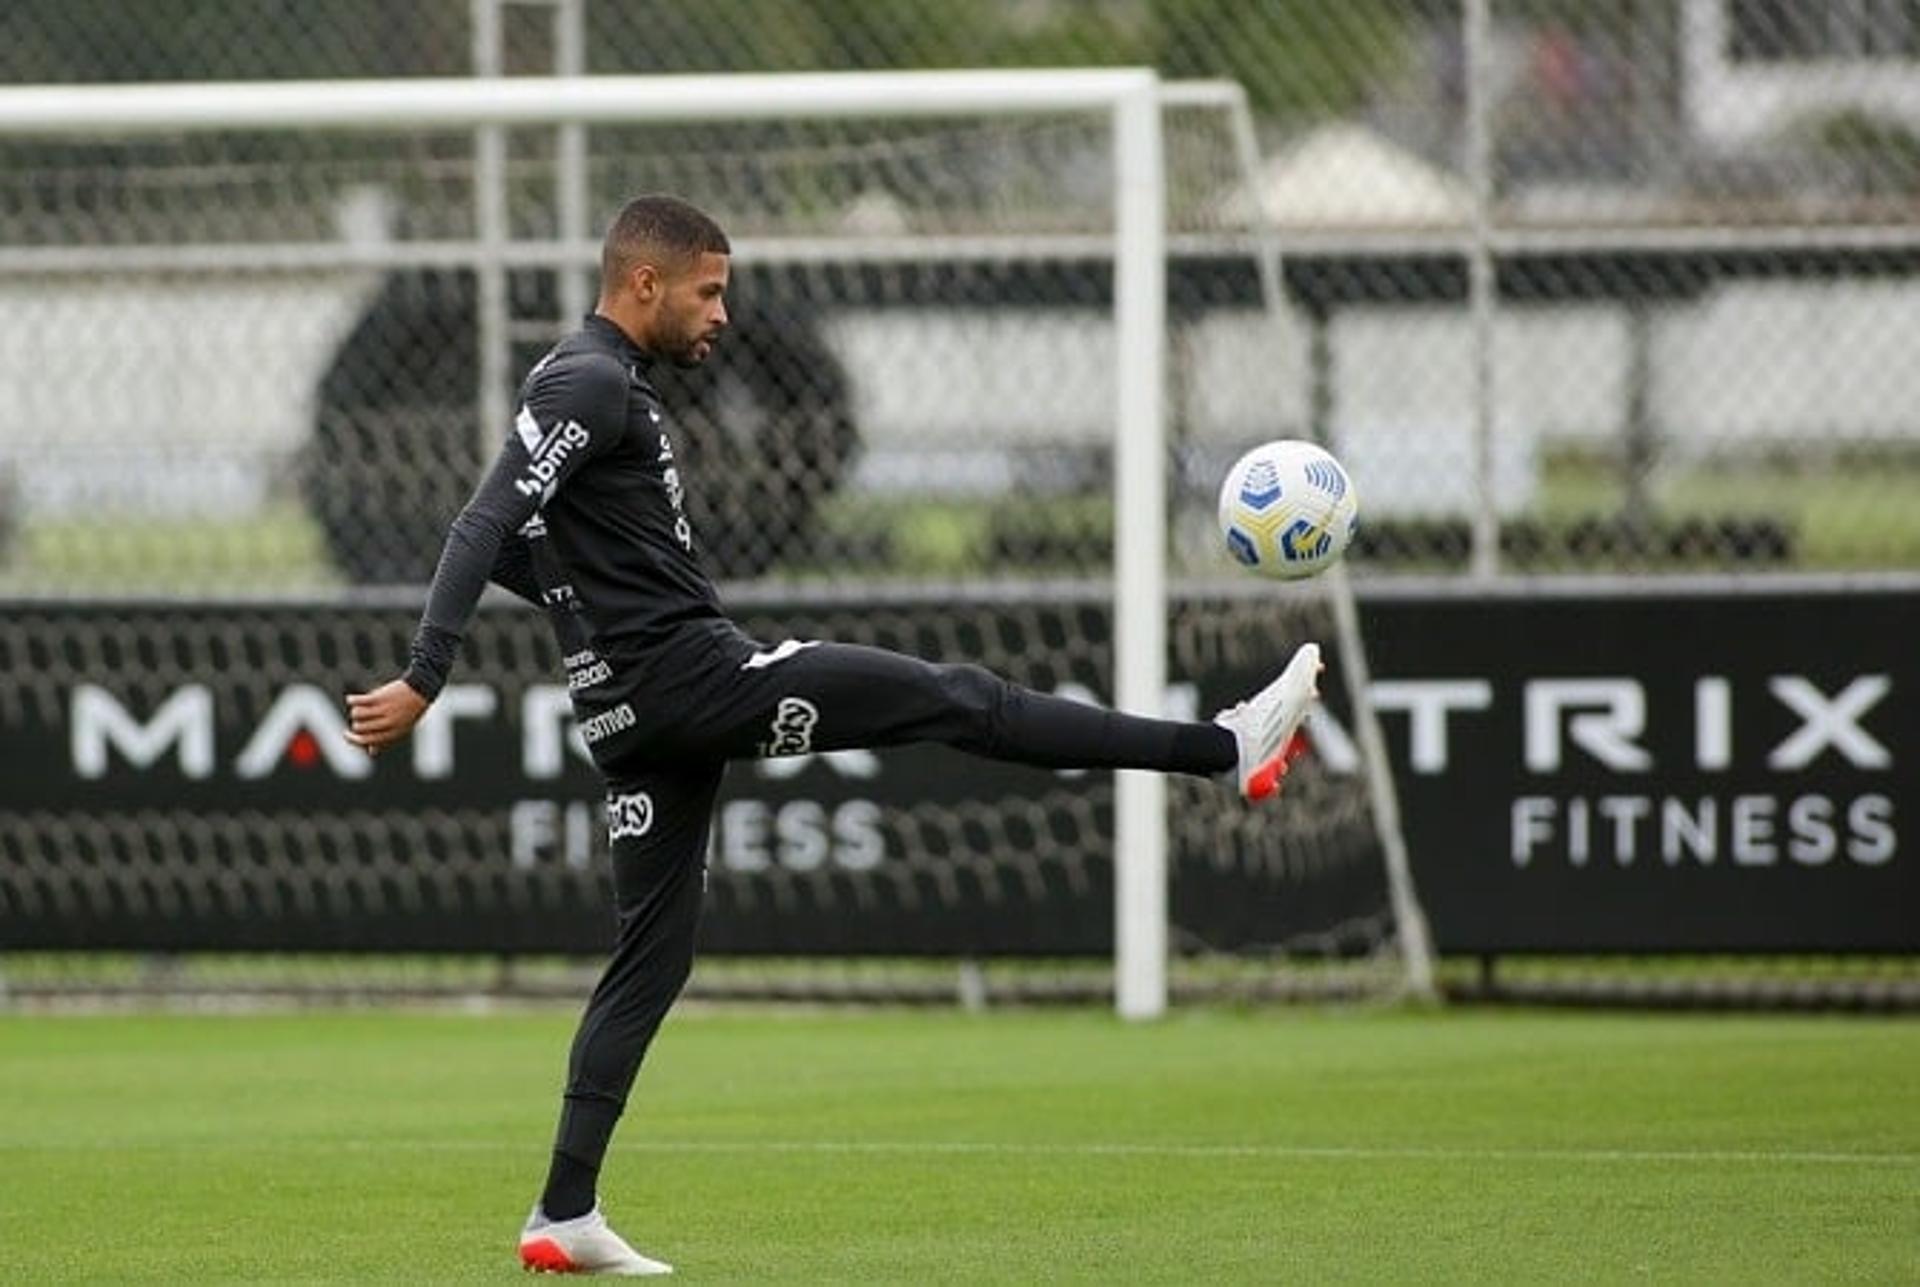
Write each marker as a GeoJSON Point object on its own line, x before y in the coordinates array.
{"type": "Point", "coordinates": [543, 1255]}
{"type": "Point", "coordinates": [1266, 779]}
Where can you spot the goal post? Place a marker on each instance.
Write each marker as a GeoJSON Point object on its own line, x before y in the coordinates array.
{"type": "Point", "coordinates": [1140, 574]}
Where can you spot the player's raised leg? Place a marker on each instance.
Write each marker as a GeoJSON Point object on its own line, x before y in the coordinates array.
{"type": "Point", "coordinates": [829, 697]}
{"type": "Point", "coordinates": [1266, 726]}
{"type": "Point", "coordinates": [802, 698]}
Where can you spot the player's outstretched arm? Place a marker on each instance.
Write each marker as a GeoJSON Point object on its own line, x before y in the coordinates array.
{"type": "Point", "coordinates": [573, 410]}
{"type": "Point", "coordinates": [382, 716]}
{"type": "Point", "coordinates": [378, 719]}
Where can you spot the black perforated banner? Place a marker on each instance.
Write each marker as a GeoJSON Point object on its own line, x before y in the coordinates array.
{"type": "Point", "coordinates": [1584, 773]}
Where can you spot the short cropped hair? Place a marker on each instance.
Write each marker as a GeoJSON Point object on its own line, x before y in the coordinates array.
{"type": "Point", "coordinates": [666, 230]}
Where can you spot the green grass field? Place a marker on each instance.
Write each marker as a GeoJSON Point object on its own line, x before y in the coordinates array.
{"type": "Point", "coordinates": [1220, 1146]}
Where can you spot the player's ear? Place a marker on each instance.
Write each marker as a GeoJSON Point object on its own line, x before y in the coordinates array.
{"type": "Point", "coordinates": [645, 281]}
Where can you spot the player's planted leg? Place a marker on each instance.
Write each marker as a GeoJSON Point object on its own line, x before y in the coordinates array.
{"type": "Point", "coordinates": [1266, 726]}
{"type": "Point", "coordinates": [657, 826]}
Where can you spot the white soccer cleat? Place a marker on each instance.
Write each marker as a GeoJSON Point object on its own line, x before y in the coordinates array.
{"type": "Point", "coordinates": [1266, 726]}
{"type": "Point", "coordinates": [582, 1245]}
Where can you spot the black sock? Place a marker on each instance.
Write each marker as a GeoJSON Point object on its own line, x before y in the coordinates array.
{"type": "Point", "coordinates": [570, 1188]}
{"type": "Point", "coordinates": [1205, 748]}
{"type": "Point", "coordinates": [586, 1124]}
{"type": "Point", "coordinates": [1055, 732]}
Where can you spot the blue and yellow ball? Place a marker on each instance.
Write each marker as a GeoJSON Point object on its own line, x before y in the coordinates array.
{"type": "Point", "coordinates": [1287, 510]}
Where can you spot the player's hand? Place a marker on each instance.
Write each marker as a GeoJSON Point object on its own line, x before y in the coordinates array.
{"type": "Point", "coordinates": [378, 719]}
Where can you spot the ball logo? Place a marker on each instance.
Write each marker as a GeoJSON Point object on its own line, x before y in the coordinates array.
{"type": "Point", "coordinates": [1326, 476]}
{"type": "Point", "coordinates": [793, 722]}
{"type": "Point", "coordinates": [1261, 487]}
{"type": "Point", "coordinates": [629, 816]}
{"type": "Point", "coordinates": [1305, 540]}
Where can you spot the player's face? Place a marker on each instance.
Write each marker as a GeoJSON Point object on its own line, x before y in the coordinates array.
{"type": "Point", "coordinates": [693, 310]}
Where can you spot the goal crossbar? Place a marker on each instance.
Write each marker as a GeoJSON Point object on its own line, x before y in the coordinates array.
{"type": "Point", "coordinates": [531, 100]}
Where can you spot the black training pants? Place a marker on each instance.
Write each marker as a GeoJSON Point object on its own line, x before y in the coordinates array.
{"type": "Point", "coordinates": [742, 702]}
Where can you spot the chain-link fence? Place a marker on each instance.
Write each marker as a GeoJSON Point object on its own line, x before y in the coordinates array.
{"type": "Point", "coordinates": [1630, 284]}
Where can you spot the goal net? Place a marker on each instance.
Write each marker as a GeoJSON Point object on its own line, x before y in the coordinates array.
{"type": "Point", "coordinates": [996, 337]}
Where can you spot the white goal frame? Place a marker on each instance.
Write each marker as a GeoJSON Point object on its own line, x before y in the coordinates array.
{"type": "Point", "coordinates": [1129, 97]}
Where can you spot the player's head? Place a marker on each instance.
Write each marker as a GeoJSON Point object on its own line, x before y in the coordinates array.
{"type": "Point", "coordinates": [663, 277]}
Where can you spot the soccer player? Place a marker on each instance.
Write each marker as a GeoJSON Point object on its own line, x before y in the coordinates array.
{"type": "Point", "coordinates": [582, 514]}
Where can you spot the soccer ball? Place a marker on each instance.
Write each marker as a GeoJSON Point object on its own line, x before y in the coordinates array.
{"type": "Point", "coordinates": [1287, 510]}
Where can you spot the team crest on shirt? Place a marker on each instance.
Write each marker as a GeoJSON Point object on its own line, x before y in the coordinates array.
{"type": "Point", "coordinates": [629, 816]}
{"type": "Point", "coordinates": [793, 722]}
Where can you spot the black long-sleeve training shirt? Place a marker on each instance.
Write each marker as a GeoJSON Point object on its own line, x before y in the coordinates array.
{"type": "Point", "coordinates": [581, 514]}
